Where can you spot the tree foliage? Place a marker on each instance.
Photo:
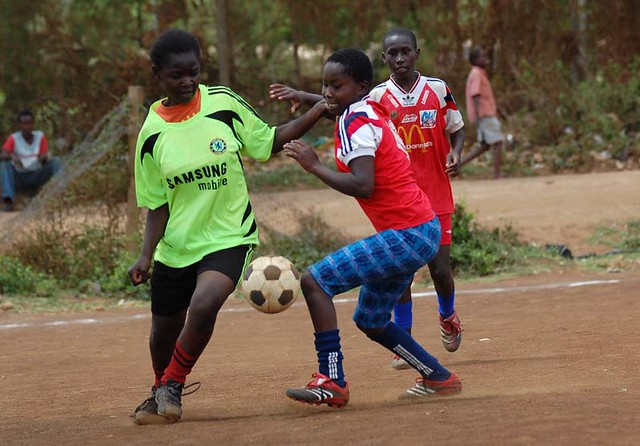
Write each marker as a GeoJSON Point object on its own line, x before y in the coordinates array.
{"type": "Point", "coordinates": [72, 60]}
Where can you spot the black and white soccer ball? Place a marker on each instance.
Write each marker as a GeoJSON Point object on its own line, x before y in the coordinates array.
{"type": "Point", "coordinates": [271, 284]}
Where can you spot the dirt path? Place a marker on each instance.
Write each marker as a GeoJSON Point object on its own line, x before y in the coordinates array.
{"type": "Point", "coordinates": [562, 209]}
{"type": "Point", "coordinates": [545, 359]}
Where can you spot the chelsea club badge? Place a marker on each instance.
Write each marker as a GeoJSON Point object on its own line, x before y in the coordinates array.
{"type": "Point", "coordinates": [217, 145]}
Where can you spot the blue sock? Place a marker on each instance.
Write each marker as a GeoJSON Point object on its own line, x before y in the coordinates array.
{"type": "Point", "coordinates": [403, 315]}
{"type": "Point", "coordinates": [401, 343]}
{"type": "Point", "coordinates": [446, 305]}
{"type": "Point", "coordinates": [329, 355]}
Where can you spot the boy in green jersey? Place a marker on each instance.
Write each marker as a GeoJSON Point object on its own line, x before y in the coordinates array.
{"type": "Point", "coordinates": [200, 228]}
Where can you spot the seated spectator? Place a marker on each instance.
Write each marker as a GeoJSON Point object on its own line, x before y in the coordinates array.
{"type": "Point", "coordinates": [25, 163]}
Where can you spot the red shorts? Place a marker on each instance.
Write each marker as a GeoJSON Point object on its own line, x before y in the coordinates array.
{"type": "Point", "coordinates": [445, 225]}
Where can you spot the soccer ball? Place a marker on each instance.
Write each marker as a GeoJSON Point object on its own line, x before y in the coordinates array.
{"type": "Point", "coordinates": [271, 284]}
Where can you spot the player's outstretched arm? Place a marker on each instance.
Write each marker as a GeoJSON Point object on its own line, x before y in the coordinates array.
{"type": "Point", "coordinates": [298, 127]}
{"type": "Point", "coordinates": [357, 183]}
{"type": "Point", "coordinates": [281, 92]}
{"type": "Point", "coordinates": [153, 232]}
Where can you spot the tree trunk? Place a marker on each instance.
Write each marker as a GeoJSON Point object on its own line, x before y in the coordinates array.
{"type": "Point", "coordinates": [224, 53]}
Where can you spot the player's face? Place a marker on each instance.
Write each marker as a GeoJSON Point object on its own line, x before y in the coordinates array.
{"type": "Point", "coordinates": [179, 77]}
{"type": "Point", "coordinates": [26, 124]}
{"type": "Point", "coordinates": [339, 89]}
{"type": "Point", "coordinates": [400, 55]}
{"type": "Point", "coordinates": [483, 59]}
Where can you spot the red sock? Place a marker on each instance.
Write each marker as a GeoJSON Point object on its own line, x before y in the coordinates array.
{"type": "Point", "coordinates": [180, 365]}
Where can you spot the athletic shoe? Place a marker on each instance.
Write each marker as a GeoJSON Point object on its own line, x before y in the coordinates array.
{"type": "Point", "coordinates": [399, 364]}
{"type": "Point", "coordinates": [321, 390]}
{"type": "Point", "coordinates": [147, 412]}
{"type": "Point", "coordinates": [169, 399]}
{"type": "Point", "coordinates": [451, 332]}
{"type": "Point", "coordinates": [425, 387]}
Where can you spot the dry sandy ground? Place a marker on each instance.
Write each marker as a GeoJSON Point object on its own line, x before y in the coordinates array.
{"type": "Point", "coordinates": [560, 209]}
{"type": "Point", "coordinates": [546, 359]}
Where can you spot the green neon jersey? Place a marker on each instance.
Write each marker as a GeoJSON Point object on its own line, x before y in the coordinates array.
{"type": "Point", "coordinates": [195, 167]}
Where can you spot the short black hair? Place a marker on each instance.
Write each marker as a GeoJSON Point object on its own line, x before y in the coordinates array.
{"type": "Point", "coordinates": [173, 41]}
{"type": "Point", "coordinates": [355, 62]}
{"type": "Point", "coordinates": [474, 54]}
{"type": "Point", "coordinates": [402, 32]}
{"type": "Point", "coordinates": [26, 112]}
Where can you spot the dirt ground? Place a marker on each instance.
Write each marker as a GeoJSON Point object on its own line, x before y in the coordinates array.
{"type": "Point", "coordinates": [550, 358]}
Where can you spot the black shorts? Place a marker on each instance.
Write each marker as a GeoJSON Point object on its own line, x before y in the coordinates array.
{"type": "Point", "coordinates": [172, 288]}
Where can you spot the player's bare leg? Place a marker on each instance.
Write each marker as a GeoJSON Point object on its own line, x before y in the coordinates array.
{"type": "Point", "coordinates": [162, 340]}
{"type": "Point", "coordinates": [497, 159]}
{"type": "Point", "coordinates": [476, 151]}
{"type": "Point", "coordinates": [212, 290]}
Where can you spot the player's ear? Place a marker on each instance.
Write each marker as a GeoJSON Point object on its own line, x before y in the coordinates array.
{"type": "Point", "coordinates": [417, 52]}
{"type": "Point", "coordinates": [364, 88]}
{"type": "Point", "coordinates": [156, 72]}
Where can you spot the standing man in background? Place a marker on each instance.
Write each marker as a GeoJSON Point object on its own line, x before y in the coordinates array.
{"type": "Point", "coordinates": [482, 110]}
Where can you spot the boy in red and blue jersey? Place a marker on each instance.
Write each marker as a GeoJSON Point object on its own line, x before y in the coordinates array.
{"type": "Point", "coordinates": [430, 125]}
{"type": "Point", "coordinates": [372, 166]}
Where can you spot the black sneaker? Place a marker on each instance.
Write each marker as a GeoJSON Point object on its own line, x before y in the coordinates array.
{"type": "Point", "coordinates": [8, 205]}
{"type": "Point", "coordinates": [147, 412]}
{"type": "Point", "coordinates": [168, 399]}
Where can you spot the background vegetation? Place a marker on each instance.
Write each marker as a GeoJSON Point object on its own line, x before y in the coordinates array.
{"type": "Point", "coordinates": [565, 73]}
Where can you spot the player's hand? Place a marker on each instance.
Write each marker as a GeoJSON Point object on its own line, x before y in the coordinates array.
{"type": "Point", "coordinates": [282, 92]}
{"type": "Point", "coordinates": [17, 162]}
{"type": "Point", "coordinates": [139, 271]}
{"type": "Point", "coordinates": [303, 153]}
{"type": "Point", "coordinates": [452, 167]}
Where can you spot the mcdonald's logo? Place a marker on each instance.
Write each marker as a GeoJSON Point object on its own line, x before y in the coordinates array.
{"type": "Point", "coordinates": [410, 141]}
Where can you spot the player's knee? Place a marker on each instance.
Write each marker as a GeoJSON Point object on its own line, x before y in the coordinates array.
{"type": "Point", "coordinates": [369, 323]}
{"type": "Point", "coordinates": [370, 332]}
{"type": "Point", "coordinates": [308, 285]}
{"type": "Point", "coordinates": [440, 273]}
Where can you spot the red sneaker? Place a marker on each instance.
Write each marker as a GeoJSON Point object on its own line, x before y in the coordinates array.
{"type": "Point", "coordinates": [426, 387]}
{"type": "Point", "coordinates": [451, 332]}
{"type": "Point", "coordinates": [321, 390]}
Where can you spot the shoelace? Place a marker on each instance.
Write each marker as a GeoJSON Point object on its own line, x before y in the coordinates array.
{"type": "Point", "coordinates": [193, 384]}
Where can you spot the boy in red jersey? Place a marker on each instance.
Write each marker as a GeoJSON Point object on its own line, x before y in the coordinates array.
{"type": "Point", "coordinates": [430, 125]}
{"type": "Point", "coordinates": [372, 166]}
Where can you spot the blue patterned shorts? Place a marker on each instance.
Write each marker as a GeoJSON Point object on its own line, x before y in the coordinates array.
{"type": "Point", "coordinates": [382, 264]}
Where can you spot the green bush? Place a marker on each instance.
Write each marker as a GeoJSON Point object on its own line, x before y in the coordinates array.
{"type": "Point", "coordinates": [311, 242]}
{"type": "Point", "coordinates": [480, 252]}
{"type": "Point", "coordinates": [620, 236]}
{"type": "Point", "coordinates": [17, 278]}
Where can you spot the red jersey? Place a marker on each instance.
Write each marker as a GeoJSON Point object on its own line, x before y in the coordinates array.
{"type": "Point", "coordinates": [364, 129]}
{"type": "Point", "coordinates": [424, 117]}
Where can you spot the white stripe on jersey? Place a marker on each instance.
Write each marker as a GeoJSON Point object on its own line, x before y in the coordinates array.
{"type": "Point", "coordinates": [362, 142]}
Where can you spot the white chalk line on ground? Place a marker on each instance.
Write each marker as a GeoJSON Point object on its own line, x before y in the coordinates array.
{"type": "Point", "coordinates": [90, 321]}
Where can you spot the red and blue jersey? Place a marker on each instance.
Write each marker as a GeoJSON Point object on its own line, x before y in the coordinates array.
{"type": "Point", "coordinates": [365, 129]}
{"type": "Point", "coordinates": [424, 117]}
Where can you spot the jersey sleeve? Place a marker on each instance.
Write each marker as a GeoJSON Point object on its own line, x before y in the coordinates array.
{"type": "Point", "coordinates": [360, 137]}
{"type": "Point", "coordinates": [9, 145]}
{"type": "Point", "coordinates": [256, 135]}
{"type": "Point", "coordinates": [452, 116]}
{"type": "Point", "coordinates": [44, 145]}
{"type": "Point", "coordinates": [150, 190]}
